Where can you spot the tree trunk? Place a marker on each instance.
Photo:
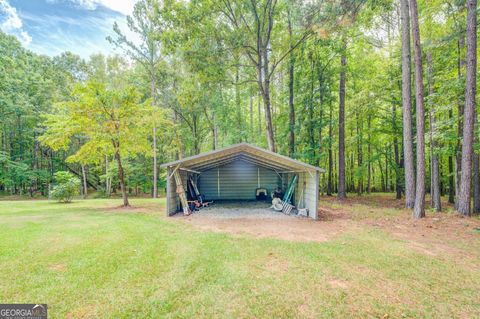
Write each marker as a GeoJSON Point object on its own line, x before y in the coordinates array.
{"type": "Point", "coordinates": [398, 186]}
{"type": "Point", "coordinates": [407, 108]}
{"type": "Point", "coordinates": [476, 177]}
{"type": "Point", "coordinates": [268, 119]}
{"type": "Point", "coordinates": [291, 116]}
{"type": "Point", "coordinates": [238, 105]}
{"type": "Point", "coordinates": [215, 130]}
{"type": "Point", "coordinates": [330, 152]}
{"type": "Point", "coordinates": [335, 176]}
{"type": "Point", "coordinates": [451, 181]}
{"type": "Point", "coordinates": [341, 126]}
{"type": "Point", "coordinates": [373, 189]}
{"type": "Point", "coordinates": [108, 180]}
{"type": "Point", "coordinates": [195, 133]}
{"type": "Point", "coordinates": [251, 119]}
{"type": "Point", "coordinates": [435, 166]}
{"type": "Point", "coordinates": [84, 178]}
{"type": "Point", "coordinates": [154, 135]}
{"type": "Point", "coordinates": [387, 180]}
{"type": "Point", "coordinates": [382, 178]}
{"type": "Point", "coordinates": [320, 121]}
{"type": "Point", "coordinates": [352, 171]}
{"type": "Point", "coordinates": [469, 112]}
{"type": "Point", "coordinates": [431, 158]}
{"type": "Point", "coordinates": [359, 155]}
{"type": "Point", "coordinates": [121, 176]}
{"type": "Point", "coordinates": [460, 110]}
{"type": "Point", "coordinates": [259, 115]}
{"type": "Point", "coordinates": [369, 153]}
{"type": "Point", "coordinates": [264, 84]}
{"type": "Point", "coordinates": [419, 208]}
{"type": "Point", "coordinates": [311, 106]}
{"type": "Point", "coordinates": [451, 176]}
{"type": "Point", "coordinates": [311, 136]}
{"type": "Point", "coordinates": [155, 168]}
{"type": "Point", "coordinates": [175, 121]}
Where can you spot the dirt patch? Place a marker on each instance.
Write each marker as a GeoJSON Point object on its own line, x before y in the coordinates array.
{"type": "Point", "coordinates": [326, 214]}
{"type": "Point", "coordinates": [86, 311]}
{"type": "Point", "coordinates": [275, 264]}
{"type": "Point", "coordinates": [338, 284]}
{"type": "Point", "coordinates": [57, 267]}
{"type": "Point", "coordinates": [284, 227]}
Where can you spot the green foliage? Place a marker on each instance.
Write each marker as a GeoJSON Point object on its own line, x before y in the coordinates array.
{"type": "Point", "coordinates": [29, 85]}
{"type": "Point", "coordinates": [191, 75]}
{"type": "Point", "coordinates": [66, 187]}
{"type": "Point", "coordinates": [106, 118]}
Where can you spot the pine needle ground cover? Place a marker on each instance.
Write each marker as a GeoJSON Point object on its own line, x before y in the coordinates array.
{"type": "Point", "coordinates": [90, 259]}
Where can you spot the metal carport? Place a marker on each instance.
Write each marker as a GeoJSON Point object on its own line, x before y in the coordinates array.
{"type": "Point", "coordinates": [233, 173]}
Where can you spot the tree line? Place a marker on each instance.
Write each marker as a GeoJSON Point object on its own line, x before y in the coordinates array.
{"type": "Point", "coordinates": [381, 93]}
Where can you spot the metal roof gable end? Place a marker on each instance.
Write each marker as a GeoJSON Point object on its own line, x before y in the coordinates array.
{"type": "Point", "coordinates": [239, 149]}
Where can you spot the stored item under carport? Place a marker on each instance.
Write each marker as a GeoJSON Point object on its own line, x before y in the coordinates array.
{"type": "Point", "coordinates": [181, 193]}
{"type": "Point", "coordinates": [261, 194]}
{"type": "Point", "coordinates": [288, 195]}
{"type": "Point", "coordinates": [277, 204]}
{"type": "Point", "coordinates": [287, 206]}
{"type": "Point", "coordinates": [196, 198]}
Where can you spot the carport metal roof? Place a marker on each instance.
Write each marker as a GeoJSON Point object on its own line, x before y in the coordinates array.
{"type": "Point", "coordinates": [245, 152]}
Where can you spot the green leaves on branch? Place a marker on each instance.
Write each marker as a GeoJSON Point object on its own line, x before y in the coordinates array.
{"type": "Point", "coordinates": [106, 119]}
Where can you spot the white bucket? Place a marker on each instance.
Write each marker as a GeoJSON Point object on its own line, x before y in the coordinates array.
{"type": "Point", "coordinates": [277, 204]}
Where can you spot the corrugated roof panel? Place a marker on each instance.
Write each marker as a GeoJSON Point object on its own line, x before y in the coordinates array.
{"type": "Point", "coordinates": [246, 151]}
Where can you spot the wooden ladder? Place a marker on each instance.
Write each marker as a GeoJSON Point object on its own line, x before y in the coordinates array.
{"type": "Point", "coordinates": [181, 193]}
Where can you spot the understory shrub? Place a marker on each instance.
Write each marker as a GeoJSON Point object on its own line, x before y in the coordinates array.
{"type": "Point", "coordinates": [66, 187]}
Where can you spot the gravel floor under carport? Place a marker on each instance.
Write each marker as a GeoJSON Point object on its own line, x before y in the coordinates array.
{"type": "Point", "coordinates": [241, 209]}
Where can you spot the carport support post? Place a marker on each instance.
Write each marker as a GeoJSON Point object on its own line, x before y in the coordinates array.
{"type": "Point", "coordinates": [169, 190]}
{"type": "Point", "coordinates": [314, 214]}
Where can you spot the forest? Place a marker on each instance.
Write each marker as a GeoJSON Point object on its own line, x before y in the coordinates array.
{"type": "Point", "coordinates": [379, 93]}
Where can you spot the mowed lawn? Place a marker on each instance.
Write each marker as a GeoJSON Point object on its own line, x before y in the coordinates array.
{"type": "Point", "coordinates": [88, 259]}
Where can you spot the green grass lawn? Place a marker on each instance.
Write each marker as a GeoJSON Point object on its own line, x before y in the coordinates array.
{"type": "Point", "coordinates": [89, 260]}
